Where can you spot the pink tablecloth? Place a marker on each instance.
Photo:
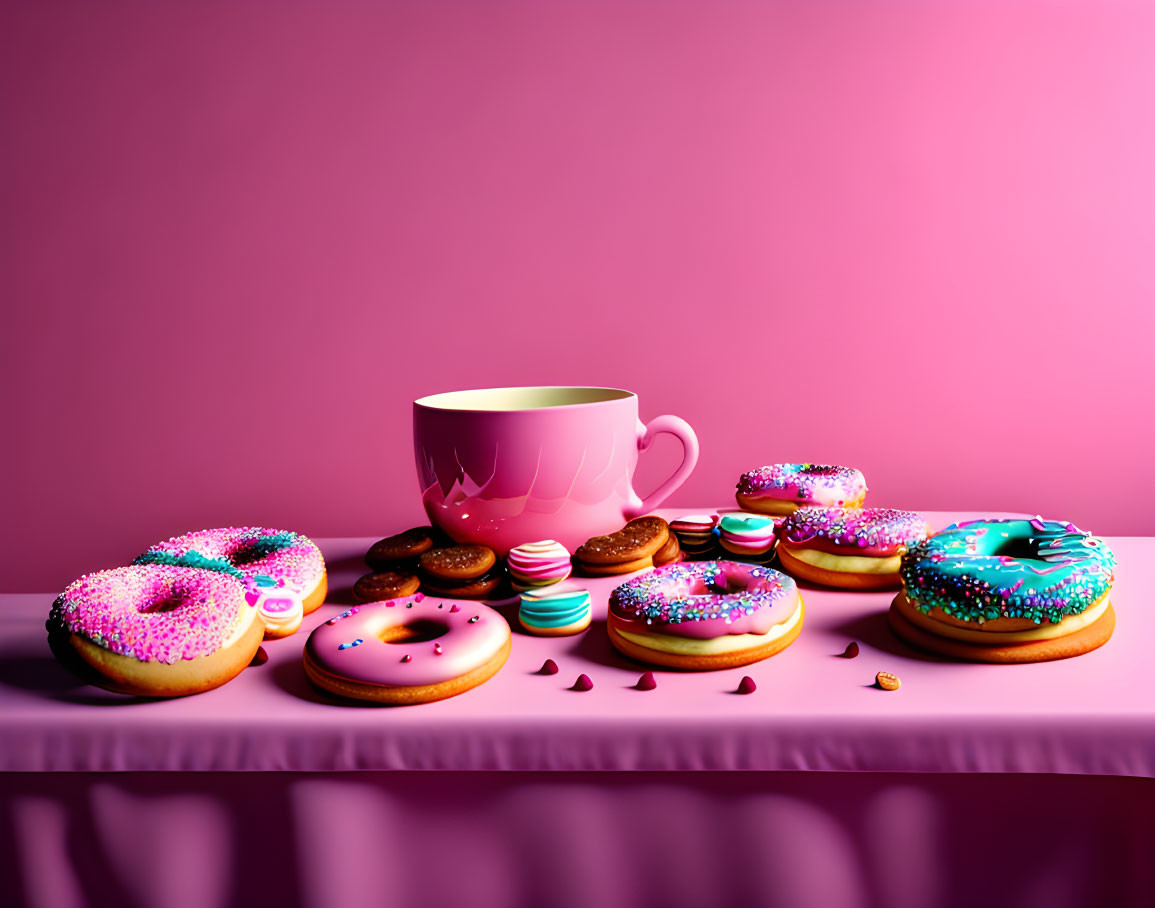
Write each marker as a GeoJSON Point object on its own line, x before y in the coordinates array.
{"type": "Point", "coordinates": [575, 840]}
{"type": "Point", "coordinates": [193, 826]}
{"type": "Point", "coordinates": [813, 710]}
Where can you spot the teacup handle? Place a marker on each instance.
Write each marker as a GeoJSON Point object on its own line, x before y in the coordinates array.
{"type": "Point", "coordinates": [681, 430]}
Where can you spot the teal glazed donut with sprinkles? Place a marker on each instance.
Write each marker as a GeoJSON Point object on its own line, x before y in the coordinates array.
{"type": "Point", "coordinates": [283, 572]}
{"type": "Point", "coordinates": [1014, 590]}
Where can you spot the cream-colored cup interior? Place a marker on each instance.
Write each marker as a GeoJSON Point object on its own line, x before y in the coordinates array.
{"type": "Point", "coordinates": [495, 399]}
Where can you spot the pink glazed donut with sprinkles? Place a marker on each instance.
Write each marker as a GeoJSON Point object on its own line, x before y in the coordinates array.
{"type": "Point", "coordinates": [782, 488]}
{"type": "Point", "coordinates": [849, 548]}
{"type": "Point", "coordinates": [155, 630]}
{"type": "Point", "coordinates": [404, 651]}
{"type": "Point", "coordinates": [705, 615]}
{"type": "Point", "coordinates": [283, 572]}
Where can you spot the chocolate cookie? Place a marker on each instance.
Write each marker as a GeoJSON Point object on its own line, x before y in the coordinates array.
{"type": "Point", "coordinates": [479, 588]}
{"type": "Point", "coordinates": [638, 539]}
{"type": "Point", "coordinates": [398, 549]}
{"type": "Point", "coordinates": [668, 553]}
{"type": "Point", "coordinates": [457, 562]}
{"type": "Point", "coordinates": [385, 585]}
{"type": "Point", "coordinates": [610, 570]}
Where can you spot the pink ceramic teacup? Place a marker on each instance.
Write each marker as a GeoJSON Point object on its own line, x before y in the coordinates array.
{"type": "Point", "coordinates": [504, 466]}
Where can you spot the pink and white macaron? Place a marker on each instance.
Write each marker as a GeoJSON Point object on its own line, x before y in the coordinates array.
{"type": "Point", "coordinates": [536, 564]}
{"type": "Point", "coordinates": [782, 488]}
{"type": "Point", "coordinates": [405, 651]}
{"type": "Point", "coordinates": [696, 535]}
{"type": "Point", "coordinates": [849, 548]}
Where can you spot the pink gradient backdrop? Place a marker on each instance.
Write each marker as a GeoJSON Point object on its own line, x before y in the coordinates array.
{"type": "Point", "coordinates": [237, 239]}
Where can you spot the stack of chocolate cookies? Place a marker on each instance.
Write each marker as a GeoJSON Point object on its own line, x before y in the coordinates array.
{"type": "Point", "coordinates": [642, 543]}
{"type": "Point", "coordinates": [424, 559]}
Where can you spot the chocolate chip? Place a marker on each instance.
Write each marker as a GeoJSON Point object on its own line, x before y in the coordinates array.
{"type": "Point", "coordinates": [851, 650]}
{"type": "Point", "coordinates": [548, 667]}
{"type": "Point", "coordinates": [747, 685]}
{"type": "Point", "coordinates": [583, 683]}
{"type": "Point", "coordinates": [646, 682]}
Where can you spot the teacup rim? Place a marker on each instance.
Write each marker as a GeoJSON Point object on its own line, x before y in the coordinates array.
{"type": "Point", "coordinates": [428, 402]}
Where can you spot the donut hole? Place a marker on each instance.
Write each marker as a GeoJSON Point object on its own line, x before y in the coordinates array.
{"type": "Point", "coordinates": [421, 631]}
{"type": "Point", "coordinates": [724, 585]}
{"type": "Point", "coordinates": [246, 553]}
{"type": "Point", "coordinates": [160, 605]}
{"type": "Point", "coordinates": [1018, 549]}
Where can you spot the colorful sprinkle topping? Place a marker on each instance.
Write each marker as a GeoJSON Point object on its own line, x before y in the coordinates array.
{"type": "Point", "coordinates": [153, 613]}
{"type": "Point", "coordinates": [983, 570]}
{"type": "Point", "coordinates": [702, 592]}
{"type": "Point", "coordinates": [266, 557]}
{"type": "Point", "coordinates": [806, 483]}
{"type": "Point", "coordinates": [873, 531]}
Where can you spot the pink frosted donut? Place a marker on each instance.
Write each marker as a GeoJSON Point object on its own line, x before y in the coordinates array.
{"type": "Point", "coordinates": [410, 650]}
{"type": "Point", "coordinates": [851, 548]}
{"type": "Point", "coordinates": [705, 615]}
{"type": "Point", "coordinates": [781, 488]}
{"type": "Point", "coordinates": [283, 572]}
{"type": "Point", "coordinates": [155, 630]}
{"type": "Point", "coordinates": [537, 564]}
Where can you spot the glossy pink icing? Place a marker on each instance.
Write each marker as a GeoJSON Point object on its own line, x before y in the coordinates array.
{"type": "Point", "coordinates": [706, 599]}
{"type": "Point", "coordinates": [877, 532]}
{"type": "Point", "coordinates": [805, 483]}
{"type": "Point", "coordinates": [473, 635]}
{"type": "Point", "coordinates": [152, 612]}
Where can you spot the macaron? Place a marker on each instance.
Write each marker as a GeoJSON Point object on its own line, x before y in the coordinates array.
{"type": "Point", "coordinates": [696, 534]}
{"type": "Point", "coordinates": [748, 537]}
{"type": "Point", "coordinates": [537, 564]}
{"type": "Point", "coordinates": [556, 610]}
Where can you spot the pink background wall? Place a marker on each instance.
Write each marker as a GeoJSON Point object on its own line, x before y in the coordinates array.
{"type": "Point", "coordinates": [237, 239]}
